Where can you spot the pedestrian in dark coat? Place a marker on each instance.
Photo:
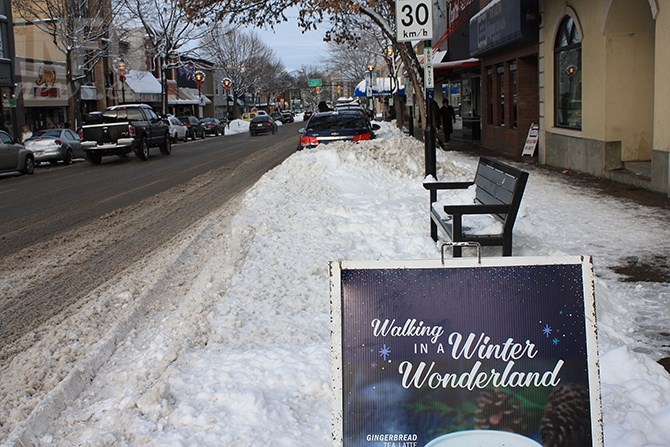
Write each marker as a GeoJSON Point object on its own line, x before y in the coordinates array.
{"type": "Point", "coordinates": [448, 119]}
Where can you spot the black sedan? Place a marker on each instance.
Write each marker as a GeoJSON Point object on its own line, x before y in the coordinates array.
{"type": "Point", "coordinates": [213, 126]}
{"type": "Point", "coordinates": [326, 127]}
{"type": "Point", "coordinates": [262, 124]}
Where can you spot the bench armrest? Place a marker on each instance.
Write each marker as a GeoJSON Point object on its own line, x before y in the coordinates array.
{"type": "Point", "coordinates": [458, 210]}
{"type": "Point", "coordinates": [434, 186]}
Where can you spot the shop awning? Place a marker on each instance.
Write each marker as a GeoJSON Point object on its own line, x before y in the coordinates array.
{"type": "Point", "coordinates": [381, 87]}
{"type": "Point", "coordinates": [143, 82]}
{"type": "Point", "coordinates": [188, 96]}
{"type": "Point", "coordinates": [450, 65]}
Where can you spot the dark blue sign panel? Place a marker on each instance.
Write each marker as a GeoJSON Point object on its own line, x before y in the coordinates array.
{"type": "Point", "coordinates": [458, 356]}
{"type": "Point", "coordinates": [503, 22]}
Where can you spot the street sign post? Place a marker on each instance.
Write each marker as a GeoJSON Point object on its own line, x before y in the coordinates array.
{"type": "Point", "coordinates": [414, 20]}
{"type": "Point", "coordinates": [314, 82]}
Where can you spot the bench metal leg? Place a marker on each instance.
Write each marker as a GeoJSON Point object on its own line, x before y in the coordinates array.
{"type": "Point", "coordinates": [433, 230]}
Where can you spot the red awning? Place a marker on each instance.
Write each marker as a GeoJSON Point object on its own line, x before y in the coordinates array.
{"type": "Point", "coordinates": [450, 65]}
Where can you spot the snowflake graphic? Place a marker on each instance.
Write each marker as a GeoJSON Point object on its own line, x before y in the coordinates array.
{"type": "Point", "coordinates": [385, 352]}
{"type": "Point", "coordinates": [555, 341]}
{"type": "Point", "coordinates": [547, 330]}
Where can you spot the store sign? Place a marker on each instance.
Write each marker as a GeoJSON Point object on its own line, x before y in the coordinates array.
{"type": "Point", "coordinates": [490, 354]}
{"type": "Point", "coordinates": [502, 23]}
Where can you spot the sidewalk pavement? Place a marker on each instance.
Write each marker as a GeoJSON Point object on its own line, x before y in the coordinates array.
{"type": "Point", "coordinates": [641, 196]}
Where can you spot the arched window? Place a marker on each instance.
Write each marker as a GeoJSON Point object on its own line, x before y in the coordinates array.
{"type": "Point", "coordinates": [568, 76]}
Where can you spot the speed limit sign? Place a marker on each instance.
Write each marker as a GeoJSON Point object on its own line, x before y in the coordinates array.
{"type": "Point", "coordinates": [414, 20]}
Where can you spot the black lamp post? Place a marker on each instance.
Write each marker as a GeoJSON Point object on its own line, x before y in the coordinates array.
{"type": "Point", "coordinates": [122, 68]}
{"type": "Point", "coordinates": [369, 92]}
{"type": "Point", "coordinates": [199, 77]}
{"type": "Point", "coordinates": [227, 88]}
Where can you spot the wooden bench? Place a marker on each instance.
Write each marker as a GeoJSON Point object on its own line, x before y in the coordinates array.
{"type": "Point", "coordinates": [499, 188]}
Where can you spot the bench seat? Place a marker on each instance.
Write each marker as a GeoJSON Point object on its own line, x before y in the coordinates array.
{"type": "Point", "coordinates": [498, 191]}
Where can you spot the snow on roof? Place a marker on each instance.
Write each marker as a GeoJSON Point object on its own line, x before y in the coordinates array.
{"type": "Point", "coordinates": [143, 82]}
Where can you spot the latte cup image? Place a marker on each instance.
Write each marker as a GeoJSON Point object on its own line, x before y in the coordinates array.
{"type": "Point", "coordinates": [482, 438]}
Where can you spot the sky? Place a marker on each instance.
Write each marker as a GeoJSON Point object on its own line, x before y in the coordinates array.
{"type": "Point", "coordinates": [223, 336]}
{"type": "Point", "coordinates": [294, 48]}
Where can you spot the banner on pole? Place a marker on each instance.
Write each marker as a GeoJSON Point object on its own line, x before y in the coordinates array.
{"type": "Point", "coordinates": [490, 354]}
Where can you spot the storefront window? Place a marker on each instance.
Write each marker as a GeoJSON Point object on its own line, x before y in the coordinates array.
{"type": "Point", "coordinates": [3, 34]}
{"type": "Point", "coordinates": [489, 95]}
{"type": "Point", "coordinates": [568, 76]}
{"type": "Point", "coordinates": [500, 88]}
{"type": "Point", "coordinates": [513, 84]}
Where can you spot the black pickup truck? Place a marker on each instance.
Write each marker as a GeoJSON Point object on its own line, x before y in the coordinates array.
{"type": "Point", "coordinates": [120, 130]}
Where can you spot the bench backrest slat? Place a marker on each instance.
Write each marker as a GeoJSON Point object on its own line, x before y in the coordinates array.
{"type": "Point", "coordinates": [498, 183]}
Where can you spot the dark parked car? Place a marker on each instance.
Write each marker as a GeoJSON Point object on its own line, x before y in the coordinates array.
{"type": "Point", "coordinates": [326, 127]}
{"type": "Point", "coordinates": [193, 127]}
{"type": "Point", "coordinates": [15, 157]}
{"type": "Point", "coordinates": [213, 126]}
{"type": "Point", "coordinates": [288, 116]}
{"type": "Point", "coordinates": [277, 117]}
{"type": "Point", "coordinates": [55, 145]}
{"type": "Point", "coordinates": [262, 124]}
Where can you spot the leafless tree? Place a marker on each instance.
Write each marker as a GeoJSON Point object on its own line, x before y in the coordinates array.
{"type": "Point", "coordinates": [246, 60]}
{"type": "Point", "coordinates": [342, 16]}
{"type": "Point", "coordinates": [169, 32]}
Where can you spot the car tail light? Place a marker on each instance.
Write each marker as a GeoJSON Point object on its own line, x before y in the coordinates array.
{"type": "Point", "coordinates": [58, 142]}
{"type": "Point", "coordinates": [363, 136]}
{"type": "Point", "coordinates": [131, 130]}
{"type": "Point", "coordinates": [81, 133]}
{"type": "Point", "coordinates": [307, 140]}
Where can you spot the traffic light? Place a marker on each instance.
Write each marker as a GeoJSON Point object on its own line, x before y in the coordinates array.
{"type": "Point", "coordinates": [318, 90]}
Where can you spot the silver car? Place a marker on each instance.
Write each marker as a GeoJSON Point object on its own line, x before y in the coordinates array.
{"type": "Point", "coordinates": [14, 157]}
{"type": "Point", "coordinates": [178, 132]}
{"type": "Point", "coordinates": [54, 145]}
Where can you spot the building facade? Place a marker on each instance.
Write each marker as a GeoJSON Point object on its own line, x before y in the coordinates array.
{"type": "Point", "coordinates": [590, 73]}
{"type": "Point", "coordinates": [8, 106]}
{"type": "Point", "coordinates": [604, 95]}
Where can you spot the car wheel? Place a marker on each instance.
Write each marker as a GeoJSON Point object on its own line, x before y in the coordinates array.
{"type": "Point", "coordinates": [29, 167]}
{"type": "Point", "coordinates": [142, 150]}
{"type": "Point", "coordinates": [166, 146]}
{"type": "Point", "coordinates": [203, 135]}
{"type": "Point", "coordinates": [93, 158]}
{"type": "Point", "coordinates": [67, 159]}
{"type": "Point", "coordinates": [175, 138]}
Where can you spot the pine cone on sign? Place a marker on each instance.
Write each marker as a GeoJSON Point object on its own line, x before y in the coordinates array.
{"type": "Point", "coordinates": [499, 411]}
{"type": "Point", "coordinates": [566, 420]}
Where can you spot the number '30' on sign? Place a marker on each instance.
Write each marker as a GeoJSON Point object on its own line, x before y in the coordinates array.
{"type": "Point", "coordinates": [414, 20]}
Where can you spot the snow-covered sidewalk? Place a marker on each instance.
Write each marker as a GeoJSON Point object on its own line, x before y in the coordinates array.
{"type": "Point", "coordinates": [232, 343]}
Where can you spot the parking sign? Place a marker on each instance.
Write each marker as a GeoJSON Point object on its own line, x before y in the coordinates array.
{"type": "Point", "coordinates": [414, 20]}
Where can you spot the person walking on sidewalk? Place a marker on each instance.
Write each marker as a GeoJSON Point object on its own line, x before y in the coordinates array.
{"type": "Point", "coordinates": [448, 119]}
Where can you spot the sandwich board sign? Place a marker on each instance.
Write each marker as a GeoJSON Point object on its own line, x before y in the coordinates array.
{"type": "Point", "coordinates": [465, 353]}
{"type": "Point", "coordinates": [531, 140]}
